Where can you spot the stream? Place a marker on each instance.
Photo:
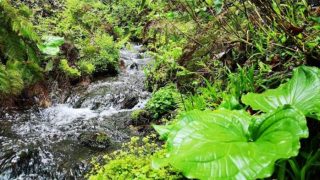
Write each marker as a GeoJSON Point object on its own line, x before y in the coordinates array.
{"type": "Point", "coordinates": [54, 143]}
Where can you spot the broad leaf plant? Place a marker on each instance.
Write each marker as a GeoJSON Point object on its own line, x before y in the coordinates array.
{"type": "Point", "coordinates": [229, 144]}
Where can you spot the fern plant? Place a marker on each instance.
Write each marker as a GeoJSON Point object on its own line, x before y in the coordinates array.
{"type": "Point", "coordinates": [10, 81]}
{"type": "Point", "coordinates": [19, 60]}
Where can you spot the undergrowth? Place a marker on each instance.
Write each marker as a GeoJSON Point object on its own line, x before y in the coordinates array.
{"type": "Point", "coordinates": [133, 161]}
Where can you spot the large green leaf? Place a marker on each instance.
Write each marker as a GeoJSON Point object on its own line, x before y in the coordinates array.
{"type": "Point", "coordinates": [51, 45]}
{"type": "Point", "coordinates": [228, 144]}
{"type": "Point", "coordinates": [302, 91]}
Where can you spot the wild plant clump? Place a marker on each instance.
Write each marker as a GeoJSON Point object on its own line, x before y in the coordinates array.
{"type": "Point", "coordinates": [163, 101]}
{"type": "Point", "coordinates": [133, 161]}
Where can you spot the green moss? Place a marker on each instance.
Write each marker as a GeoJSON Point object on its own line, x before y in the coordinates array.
{"type": "Point", "coordinates": [96, 140]}
{"type": "Point", "coordinates": [101, 137]}
{"type": "Point", "coordinates": [136, 114]}
{"type": "Point", "coordinates": [133, 161]}
{"type": "Point", "coordinates": [140, 117]}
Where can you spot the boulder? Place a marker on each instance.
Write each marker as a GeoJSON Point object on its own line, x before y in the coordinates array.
{"type": "Point", "coordinates": [97, 140]}
{"type": "Point", "coordinates": [140, 117]}
{"type": "Point", "coordinates": [129, 102]}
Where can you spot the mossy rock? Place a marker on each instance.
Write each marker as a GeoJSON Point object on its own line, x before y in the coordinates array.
{"type": "Point", "coordinates": [140, 117]}
{"type": "Point", "coordinates": [98, 140]}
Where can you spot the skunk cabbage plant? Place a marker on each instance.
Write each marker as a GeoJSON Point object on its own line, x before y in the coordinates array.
{"type": "Point", "coordinates": [227, 144]}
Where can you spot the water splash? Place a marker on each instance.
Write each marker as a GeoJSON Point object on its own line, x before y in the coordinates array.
{"type": "Point", "coordinates": [44, 144]}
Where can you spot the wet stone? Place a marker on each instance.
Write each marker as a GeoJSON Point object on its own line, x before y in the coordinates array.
{"type": "Point", "coordinates": [5, 128]}
{"type": "Point", "coordinates": [134, 66]}
{"type": "Point", "coordinates": [99, 140]}
{"type": "Point", "coordinates": [130, 102]}
{"type": "Point", "coordinates": [140, 118]}
{"type": "Point", "coordinates": [18, 163]}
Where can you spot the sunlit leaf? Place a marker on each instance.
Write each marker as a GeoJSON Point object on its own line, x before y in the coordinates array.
{"type": "Point", "coordinates": [302, 91]}
{"type": "Point", "coordinates": [51, 45]}
{"type": "Point", "coordinates": [218, 5]}
{"type": "Point", "coordinates": [209, 2]}
{"type": "Point", "coordinates": [49, 66]}
{"type": "Point", "coordinates": [276, 8]}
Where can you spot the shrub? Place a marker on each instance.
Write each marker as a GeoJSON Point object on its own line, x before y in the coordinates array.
{"type": "Point", "coordinates": [10, 81]}
{"type": "Point", "coordinates": [165, 68]}
{"type": "Point", "coordinates": [163, 101]}
{"type": "Point", "coordinates": [107, 56]}
{"type": "Point", "coordinates": [86, 25]}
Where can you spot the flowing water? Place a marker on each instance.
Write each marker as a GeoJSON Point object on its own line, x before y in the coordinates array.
{"type": "Point", "coordinates": [47, 144]}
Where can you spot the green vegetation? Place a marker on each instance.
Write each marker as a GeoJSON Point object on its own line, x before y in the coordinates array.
{"type": "Point", "coordinates": [135, 114]}
{"type": "Point", "coordinates": [240, 143]}
{"type": "Point", "coordinates": [19, 61]}
{"type": "Point", "coordinates": [140, 117]}
{"type": "Point", "coordinates": [163, 101]}
{"type": "Point", "coordinates": [51, 45]}
{"type": "Point", "coordinates": [133, 161]}
{"type": "Point", "coordinates": [231, 144]}
{"type": "Point", "coordinates": [85, 27]}
{"type": "Point", "coordinates": [72, 72]}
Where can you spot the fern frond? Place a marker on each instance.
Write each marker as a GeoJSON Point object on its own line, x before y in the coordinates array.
{"type": "Point", "coordinates": [18, 47]}
{"type": "Point", "coordinates": [11, 81]}
{"type": "Point", "coordinates": [4, 84]}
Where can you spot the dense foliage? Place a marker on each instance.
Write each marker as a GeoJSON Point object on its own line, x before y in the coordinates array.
{"type": "Point", "coordinates": [302, 91]}
{"type": "Point", "coordinates": [20, 63]}
{"type": "Point", "coordinates": [163, 101]}
{"type": "Point", "coordinates": [216, 66]}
